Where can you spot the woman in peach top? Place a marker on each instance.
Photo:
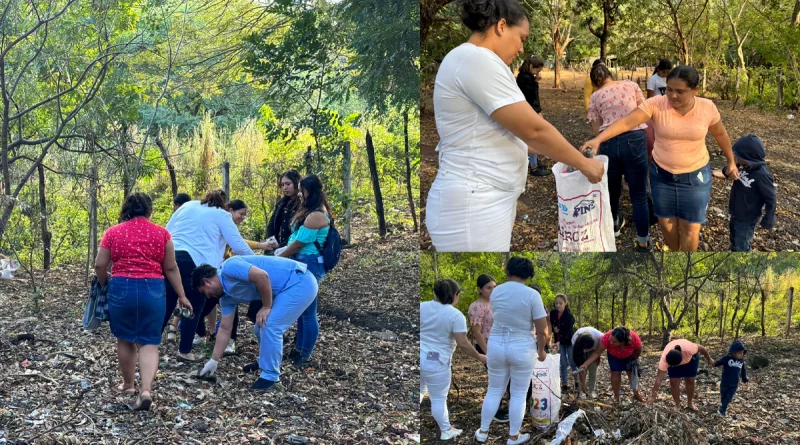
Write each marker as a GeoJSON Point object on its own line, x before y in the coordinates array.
{"type": "Point", "coordinates": [680, 174]}
{"type": "Point", "coordinates": [680, 360]}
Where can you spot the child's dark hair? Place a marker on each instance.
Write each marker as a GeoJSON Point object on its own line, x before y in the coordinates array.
{"type": "Point", "coordinates": [446, 290]}
{"type": "Point", "coordinates": [480, 15]}
{"type": "Point", "coordinates": [202, 272]}
{"type": "Point", "coordinates": [136, 205]}
{"type": "Point", "coordinates": [686, 73]}
{"type": "Point", "coordinates": [583, 342]}
{"type": "Point", "coordinates": [663, 64]}
{"type": "Point", "coordinates": [675, 357]}
{"type": "Point", "coordinates": [236, 204]}
{"type": "Point", "coordinates": [566, 302]}
{"type": "Point", "coordinates": [622, 334]}
{"type": "Point", "coordinates": [519, 267]}
{"type": "Point", "coordinates": [597, 62]}
{"type": "Point", "coordinates": [215, 198]}
{"type": "Point", "coordinates": [599, 75]}
{"type": "Point", "coordinates": [531, 62]}
{"type": "Point", "coordinates": [181, 199]}
{"type": "Point", "coordinates": [484, 279]}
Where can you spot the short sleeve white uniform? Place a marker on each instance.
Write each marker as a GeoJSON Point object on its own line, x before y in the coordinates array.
{"type": "Point", "coordinates": [657, 84]}
{"type": "Point", "coordinates": [437, 324]}
{"type": "Point", "coordinates": [471, 206]}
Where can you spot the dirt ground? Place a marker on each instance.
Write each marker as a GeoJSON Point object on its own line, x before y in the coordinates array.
{"type": "Point", "coordinates": [766, 410]}
{"type": "Point", "coordinates": [360, 389]}
{"type": "Point", "coordinates": [537, 220]}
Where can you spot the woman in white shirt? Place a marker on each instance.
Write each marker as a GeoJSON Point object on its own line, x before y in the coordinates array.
{"type": "Point", "coordinates": [516, 309]}
{"type": "Point", "coordinates": [442, 327]}
{"type": "Point", "coordinates": [200, 231]}
{"type": "Point", "coordinates": [486, 130]}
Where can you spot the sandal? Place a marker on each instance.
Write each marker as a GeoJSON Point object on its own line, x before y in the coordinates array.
{"type": "Point", "coordinates": [143, 403]}
{"type": "Point", "coordinates": [183, 359]}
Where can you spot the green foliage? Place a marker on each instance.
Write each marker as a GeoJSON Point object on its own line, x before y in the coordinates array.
{"type": "Point", "coordinates": [596, 283]}
{"type": "Point", "coordinates": [253, 84]}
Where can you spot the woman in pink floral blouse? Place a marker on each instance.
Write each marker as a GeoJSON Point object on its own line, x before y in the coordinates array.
{"type": "Point", "coordinates": [627, 153]}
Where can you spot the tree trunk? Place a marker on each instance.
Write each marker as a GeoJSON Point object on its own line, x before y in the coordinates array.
{"type": "Point", "coordinates": [613, 311]}
{"type": "Point", "coordinates": [93, 214]}
{"type": "Point", "coordinates": [780, 87]}
{"type": "Point", "coordinates": [721, 314]}
{"type": "Point", "coordinates": [347, 160]}
{"type": "Point", "coordinates": [697, 315]}
{"type": "Point", "coordinates": [408, 173]}
{"type": "Point", "coordinates": [46, 235]}
{"type": "Point", "coordinates": [796, 14]}
{"type": "Point", "coordinates": [789, 311]}
{"type": "Point", "coordinates": [650, 312]}
{"type": "Point", "coordinates": [376, 186]}
{"type": "Point", "coordinates": [226, 180]}
{"type": "Point", "coordinates": [173, 180]}
{"type": "Point", "coordinates": [625, 306]}
{"type": "Point", "coordinates": [763, 304]}
{"type": "Point", "coordinates": [597, 308]}
{"type": "Point", "coordinates": [556, 65]}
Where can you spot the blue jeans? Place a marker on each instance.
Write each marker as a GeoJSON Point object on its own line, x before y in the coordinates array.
{"type": "Point", "coordinates": [741, 235]}
{"type": "Point", "coordinates": [726, 393]}
{"type": "Point", "coordinates": [286, 307]}
{"type": "Point", "coordinates": [566, 360]}
{"type": "Point", "coordinates": [533, 161]}
{"type": "Point", "coordinates": [627, 155]}
{"type": "Point", "coordinates": [308, 323]}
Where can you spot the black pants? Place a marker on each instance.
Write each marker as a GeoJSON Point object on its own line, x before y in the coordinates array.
{"type": "Point", "coordinates": [198, 300]}
{"type": "Point", "coordinates": [211, 305]}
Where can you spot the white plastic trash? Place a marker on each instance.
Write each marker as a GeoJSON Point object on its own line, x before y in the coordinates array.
{"type": "Point", "coordinates": [565, 427]}
{"type": "Point", "coordinates": [585, 223]}
{"type": "Point", "coordinates": [546, 391]}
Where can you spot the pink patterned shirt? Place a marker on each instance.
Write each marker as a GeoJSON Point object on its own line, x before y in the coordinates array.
{"type": "Point", "coordinates": [613, 102]}
{"type": "Point", "coordinates": [137, 248]}
{"type": "Point", "coordinates": [480, 314]}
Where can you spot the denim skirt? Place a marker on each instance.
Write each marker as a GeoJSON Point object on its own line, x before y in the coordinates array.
{"type": "Point", "coordinates": [684, 196]}
{"type": "Point", "coordinates": [136, 308]}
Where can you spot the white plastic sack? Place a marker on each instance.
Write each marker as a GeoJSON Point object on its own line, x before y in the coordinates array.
{"type": "Point", "coordinates": [565, 427]}
{"type": "Point", "coordinates": [585, 223]}
{"type": "Point", "coordinates": [546, 391]}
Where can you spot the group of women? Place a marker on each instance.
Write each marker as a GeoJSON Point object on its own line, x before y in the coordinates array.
{"type": "Point", "coordinates": [510, 328]}
{"type": "Point", "coordinates": [487, 128]}
{"type": "Point", "coordinates": [199, 232]}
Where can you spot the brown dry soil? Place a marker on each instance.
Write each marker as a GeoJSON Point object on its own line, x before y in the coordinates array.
{"type": "Point", "coordinates": [360, 389]}
{"type": "Point", "coordinates": [766, 410]}
{"type": "Point", "coordinates": [536, 225]}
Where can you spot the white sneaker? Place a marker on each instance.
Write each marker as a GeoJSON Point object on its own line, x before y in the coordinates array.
{"type": "Point", "coordinates": [521, 439]}
{"type": "Point", "coordinates": [593, 395]}
{"type": "Point", "coordinates": [481, 437]}
{"type": "Point", "coordinates": [231, 348]}
{"type": "Point", "coordinates": [198, 340]}
{"type": "Point", "coordinates": [449, 434]}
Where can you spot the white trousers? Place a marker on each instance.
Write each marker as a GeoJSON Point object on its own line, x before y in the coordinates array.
{"type": "Point", "coordinates": [509, 358]}
{"type": "Point", "coordinates": [434, 378]}
{"type": "Point", "coordinates": [465, 215]}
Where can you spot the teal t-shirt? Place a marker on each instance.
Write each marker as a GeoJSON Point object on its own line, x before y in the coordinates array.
{"type": "Point", "coordinates": [308, 236]}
